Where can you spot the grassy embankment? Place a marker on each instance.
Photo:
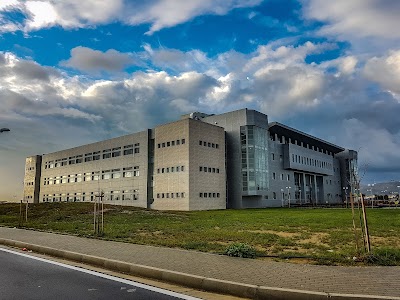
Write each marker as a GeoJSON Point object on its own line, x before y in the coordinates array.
{"type": "Point", "coordinates": [319, 235]}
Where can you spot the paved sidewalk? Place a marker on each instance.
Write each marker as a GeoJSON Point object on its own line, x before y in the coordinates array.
{"type": "Point", "coordinates": [379, 281]}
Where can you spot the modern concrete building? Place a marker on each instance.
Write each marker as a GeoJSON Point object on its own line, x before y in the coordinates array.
{"type": "Point", "coordinates": [232, 160]}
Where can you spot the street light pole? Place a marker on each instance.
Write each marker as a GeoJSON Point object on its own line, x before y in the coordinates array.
{"type": "Point", "coordinates": [288, 192]}
{"type": "Point", "coordinates": [345, 191]}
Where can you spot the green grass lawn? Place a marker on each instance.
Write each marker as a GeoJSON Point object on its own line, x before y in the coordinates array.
{"type": "Point", "coordinates": [318, 235]}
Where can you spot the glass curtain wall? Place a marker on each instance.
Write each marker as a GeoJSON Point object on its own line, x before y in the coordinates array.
{"type": "Point", "coordinates": [254, 147]}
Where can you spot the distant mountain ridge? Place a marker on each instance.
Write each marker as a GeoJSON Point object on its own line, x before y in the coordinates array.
{"type": "Point", "coordinates": [381, 188]}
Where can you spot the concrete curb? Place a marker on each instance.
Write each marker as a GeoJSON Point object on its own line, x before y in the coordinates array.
{"type": "Point", "coordinates": [192, 281]}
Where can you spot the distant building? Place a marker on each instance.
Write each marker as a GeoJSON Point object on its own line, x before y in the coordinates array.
{"type": "Point", "coordinates": [201, 162]}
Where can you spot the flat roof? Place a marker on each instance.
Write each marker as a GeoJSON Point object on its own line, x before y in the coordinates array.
{"type": "Point", "coordinates": [283, 130]}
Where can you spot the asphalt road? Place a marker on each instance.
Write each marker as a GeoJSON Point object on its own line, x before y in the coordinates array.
{"type": "Point", "coordinates": [28, 277]}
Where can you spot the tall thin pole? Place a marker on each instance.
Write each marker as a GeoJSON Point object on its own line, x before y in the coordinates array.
{"type": "Point", "coordinates": [20, 214]}
{"type": "Point", "coordinates": [365, 225]}
{"type": "Point", "coordinates": [26, 211]}
{"type": "Point", "coordinates": [102, 215]}
{"type": "Point", "coordinates": [94, 216]}
{"type": "Point", "coordinates": [354, 222]}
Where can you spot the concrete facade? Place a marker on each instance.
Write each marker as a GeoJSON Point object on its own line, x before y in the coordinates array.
{"type": "Point", "coordinates": [232, 160]}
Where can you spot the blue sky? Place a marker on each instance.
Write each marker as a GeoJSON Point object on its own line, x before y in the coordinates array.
{"type": "Point", "coordinates": [74, 72]}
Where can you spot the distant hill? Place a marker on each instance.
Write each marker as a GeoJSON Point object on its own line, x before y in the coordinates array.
{"type": "Point", "coordinates": [381, 188]}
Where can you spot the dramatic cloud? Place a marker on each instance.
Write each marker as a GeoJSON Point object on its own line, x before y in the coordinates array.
{"type": "Point", "coordinates": [349, 100]}
{"type": "Point", "coordinates": [385, 70]}
{"type": "Point", "coordinates": [365, 18]}
{"type": "Point", "coordinates": [88, 60]}
{"type": "Point", "coordinates": [79, 14]}
{"type": "Point", "coordinates": [163, 13]}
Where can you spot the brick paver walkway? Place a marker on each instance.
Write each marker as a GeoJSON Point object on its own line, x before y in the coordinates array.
{"type": "Point", "coordinates": [382, 281]}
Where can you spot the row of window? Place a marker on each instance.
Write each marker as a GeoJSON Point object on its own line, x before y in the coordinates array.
{"type": "Point", "coordinates": [280, 139]}
{"type": "Point", "coordinates": [92, 176]}
{"type": "Point", "coordinates": [171, 195]}
{"type": "Point", "coordinates": [29, 183]}
{"type": "Point", "coordinates": [30, 168]}
{"type": "Point", "coordinates": [311, 162]}
{"type": "Point", "coordinates": [209, 195]}
{"type": "Point", "coordinates": [92, 156]}
{"type": "Point", "coordinates": [171, 143]}
{"type": "Point", "coordinates": [171, 169]}
{"type": "Point", "coordinates": [208, 144]}
{"type": "Point", "coordinates": [299, 196]}
{"type": "Point", "coordinates": [282, 176]}
{"type": "Point", "coordinates": [124, 195]}
{"type": "Point", "coordinates": [208, 169]}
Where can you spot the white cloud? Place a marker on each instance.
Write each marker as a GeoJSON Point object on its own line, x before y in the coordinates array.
{"type": "Point", "coordinates": [42, 14]}
{"type": "Point", "coordinates": [385, 71]}
{"type": "Point", "coordinates": [355, 18]}
{"type": "Point", "coordinates": [89, 60]}
{"type": "Point", "coordinates": [79, 14]}
{"type": "Point", "coordinates": [49, 110]}
{"type": "Point", "coordinates": [164, 13]}
{"type": "Point", "coordinates": [7, 4]}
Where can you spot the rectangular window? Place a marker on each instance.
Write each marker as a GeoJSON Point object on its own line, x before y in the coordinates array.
{"type": "Point", "coordinates": [116, 152]}
{"type": "Point", "coordinates": [106, 153]}
{"type": "Point", "coordinates": [213, 170]}
{"type": "Point", "coordinates": [87, 177]}
{"type": "Point", "coordinates": [95, 175]}
{"type": "Point", "coordinates": [200, 168]}
{"type": "Point", "coordinates": [182, 168]}
{"type": "Point", "coordinates": [159, 146]}
{"type": "Point", "coordinates": [216, 146]}
{"type": "Point", "coordinates": [136, 171]}
{"type": "Point", "coordinates": [205, 195]}
{"type": "Point", "coordinates": [273, 175]}
{"type": "Point", "coordinates": [128, 151]}
{"type": "Point", "coordinates": [168, 144]}
{"type": "Point", "coordinates": [106, 174]}
{"type": "Point", "coordinates": [172, 169]}
{"type": "Point", "coordinates": [209, 144]}
{"type": "Point", "coordinates": [217, 195]}
{"type": "Point", "coordinates": [201, 143]}
{"type": "Point", "coordinates": [201, 195]}
{"type": "Point", "coordinates": [212, 145]}
{"type": "Point", "coordinates": [178, 142]}
{"type": "Point", "coordinates": [183, 195]}
{"type": "Point", "coordinates": [183, 141]}
{"type": "Point", "coordinates": [178, 169]}
{"type": "Point", "coordinates": [116, 173]}
{"type": "Point", "coordinates": [128, 172]}
{"type": "Point", "coordinates": [163, 145]}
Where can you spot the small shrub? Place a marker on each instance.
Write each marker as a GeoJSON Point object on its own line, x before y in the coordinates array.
{"type": "Point", "coordinates": [240, 250]}
{"type": "Point", "coordinates": [382, 257]}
